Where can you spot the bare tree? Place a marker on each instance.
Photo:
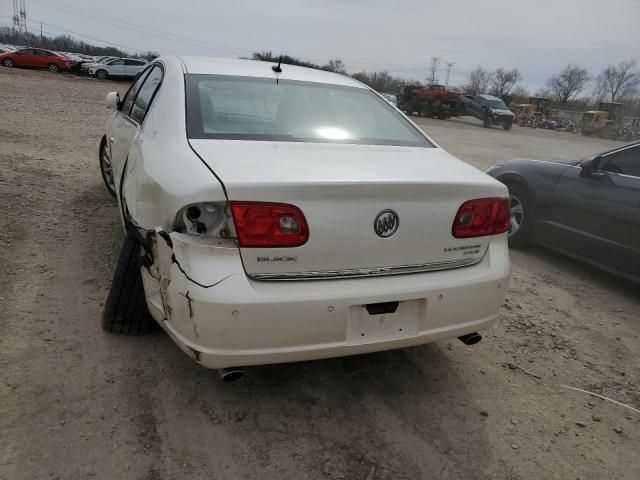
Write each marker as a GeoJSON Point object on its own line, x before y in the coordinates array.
{"type": "Point", "coordinates": [568, 83]}
{"type": "Point", "coordinates": [632, 105]}
{"type": "Point", "coordinates": [478, 81]}
{"type": "Point", "coordinates": [60, 42]}
{"type": "Point", "coordinates": [619, 81]}
{"type": "Point", "coordinates": [520, 94]}
{"type": "Point", "coordinates": [434, 66]}
{"type": "Point", "coordinates": [382, 81]}
{"type": "Point", "coordinates": [263, 55]}
{"type": "Point", "coordinates": [336, 65]}
{"type": "Point", "coordinates": [504, 80]}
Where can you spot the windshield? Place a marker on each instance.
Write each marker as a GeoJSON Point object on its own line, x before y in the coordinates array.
{"type": "Point", "coordinates": [248, 108]}
{"type": "Point", "coordinates": [497, 104]}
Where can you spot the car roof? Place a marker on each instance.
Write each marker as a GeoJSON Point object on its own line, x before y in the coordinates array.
{"type": "Point", "coordinates": [255, 68]}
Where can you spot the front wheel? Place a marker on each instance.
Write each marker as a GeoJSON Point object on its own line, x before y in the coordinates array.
{"type": "Point", "coordinates": [7, 62]}
{"type": "Point", "coordinates": [102, 74]}
{"type": "Point", "coordinates": [507, 124]}
{"type": "Point", "coordinates": [486, 122]}
{"type": "Point", "coordinates": [125, 310]}
{"type": "Point", "coordinates": [521, 223]}
{"type": "Point", "coordinates": [53, 68]}
{"type": "Point", "coordinates": [106, 168]}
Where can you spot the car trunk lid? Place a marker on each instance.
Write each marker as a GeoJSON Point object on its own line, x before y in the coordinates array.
{"type": "Point", "coordinates": [344, 191]}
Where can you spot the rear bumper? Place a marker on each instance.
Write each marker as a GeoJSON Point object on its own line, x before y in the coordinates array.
{"type": "Point", "coordinates": [241, 322]}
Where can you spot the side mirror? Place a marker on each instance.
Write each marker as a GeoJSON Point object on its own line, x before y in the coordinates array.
{"type": "Point", "coordinates": [589, 166]}
{"type": "Point", "coordinates": [113, 100]}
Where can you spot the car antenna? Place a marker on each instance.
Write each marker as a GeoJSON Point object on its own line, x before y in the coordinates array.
{"type": "Point", "coordinates": [277, 69]}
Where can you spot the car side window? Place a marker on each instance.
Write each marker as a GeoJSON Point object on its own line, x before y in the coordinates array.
{"type": "Point", "coordinates": [134, 63]}
{"type": "Point", "coordinates": [130, 96]}
{"type": "Point", "coordinates": [25, 52]}
{"type": "Point", "coordinates": [145, 95]}
{"type": "Point", "coordinates": [626, 162]}
{"type": "Point", "coordinates": [116, 63]}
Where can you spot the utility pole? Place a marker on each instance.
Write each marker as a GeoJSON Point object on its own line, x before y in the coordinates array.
{"type": "Point", "coordinates": [16, 15]}
{"type": "Point", "coordinates": [433, 70]}
{"type": "Point", "coordinates": [41, 37]}
{"type": "Point", "coordinates": [20, 15]}
{"type": "Point", "coordinates": [449, 65]}
{"type": "Point", "coordinates": [23, 15]}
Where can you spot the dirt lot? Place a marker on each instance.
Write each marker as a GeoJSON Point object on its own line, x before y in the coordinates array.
{"type": "Point", "coordinates": [78, 403]}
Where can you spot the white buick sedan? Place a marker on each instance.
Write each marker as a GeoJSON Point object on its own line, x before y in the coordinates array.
{"type": "Point", "coordinates": [276, 214]}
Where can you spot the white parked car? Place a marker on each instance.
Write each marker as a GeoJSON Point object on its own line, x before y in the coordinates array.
{"type": "Point", "coordinates": [85, 66]}
{"type": "Point", "coordinates": [5, 47]}
{"type": "Point", "coordinates": [277, 216]}
{"type": "Point", "coordinates": [117, 68]}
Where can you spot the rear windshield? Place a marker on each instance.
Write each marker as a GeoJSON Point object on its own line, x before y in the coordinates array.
{"type": "Point", "coordinates": [248, 108]}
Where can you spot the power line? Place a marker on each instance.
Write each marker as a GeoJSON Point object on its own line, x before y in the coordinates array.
{"type": "Point", "coordinates": [126, 25]}
{"type": "Point", "coordinates": [87, 36]}
{"type": "Point", "coordinates": [119, 23]}
{"type": "Point", "coordinates": [415, 68]}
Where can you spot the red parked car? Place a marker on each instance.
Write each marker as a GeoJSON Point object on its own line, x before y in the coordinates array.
{"type": "Point", "coordinates": [35, 58]}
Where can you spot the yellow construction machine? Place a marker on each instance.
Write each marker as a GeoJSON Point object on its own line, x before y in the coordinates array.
{"type": "Point", "coordinates": [605, 122]}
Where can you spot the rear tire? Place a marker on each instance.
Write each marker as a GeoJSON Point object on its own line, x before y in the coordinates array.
{"type": "Point", "coordinates": [486, 122]}
{"type": "Point", "coordinates": [106, 168]}
{"type": "Point", "coordinates": [521, 228]}
{"type": "Point", "coordinates": [102, 74]}
{"type": "Point", "coordinates": [53, 68]}
{"type": "Point", "coordinates": [125, 310]}
{"type": "Point", "coordinates": [7, 62]}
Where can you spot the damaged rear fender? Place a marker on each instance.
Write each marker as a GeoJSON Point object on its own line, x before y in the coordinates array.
{"type": "Point", "coordinates": [182, 266]}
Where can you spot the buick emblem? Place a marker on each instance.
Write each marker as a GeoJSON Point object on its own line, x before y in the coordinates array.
{"type": "Point", "coordinates": [386, 223]}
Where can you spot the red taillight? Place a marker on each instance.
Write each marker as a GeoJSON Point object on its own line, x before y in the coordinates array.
{"type": "Point", "coordinates": [269, 225]}
{"type": "Point", "coordinates": [481, 217]}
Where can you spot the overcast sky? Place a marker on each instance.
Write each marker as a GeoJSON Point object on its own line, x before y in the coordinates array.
{"type": "Point", "coordinates": [537, 36]}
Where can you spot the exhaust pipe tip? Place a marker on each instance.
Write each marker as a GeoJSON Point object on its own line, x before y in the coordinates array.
{"type": "Point", "coordinates": [470, 338]}
{"type": "Point", "coordinates": [231, 374]}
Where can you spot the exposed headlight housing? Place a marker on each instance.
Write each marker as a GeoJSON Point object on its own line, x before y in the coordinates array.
{"type": "Point", "coordinates": [207, 219]}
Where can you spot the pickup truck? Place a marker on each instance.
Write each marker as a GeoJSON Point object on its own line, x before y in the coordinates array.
{"type": "Point", "coordinates": [491, 110]}
{"type": "Point", "coordinates": [430, 101]}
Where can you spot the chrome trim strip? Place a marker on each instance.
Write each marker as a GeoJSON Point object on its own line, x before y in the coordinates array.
{"type": "Point", "coordinates": [367, 272]}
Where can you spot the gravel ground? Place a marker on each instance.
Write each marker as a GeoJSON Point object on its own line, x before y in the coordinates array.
{"type": "Point", "coordinates": [78, 403]}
